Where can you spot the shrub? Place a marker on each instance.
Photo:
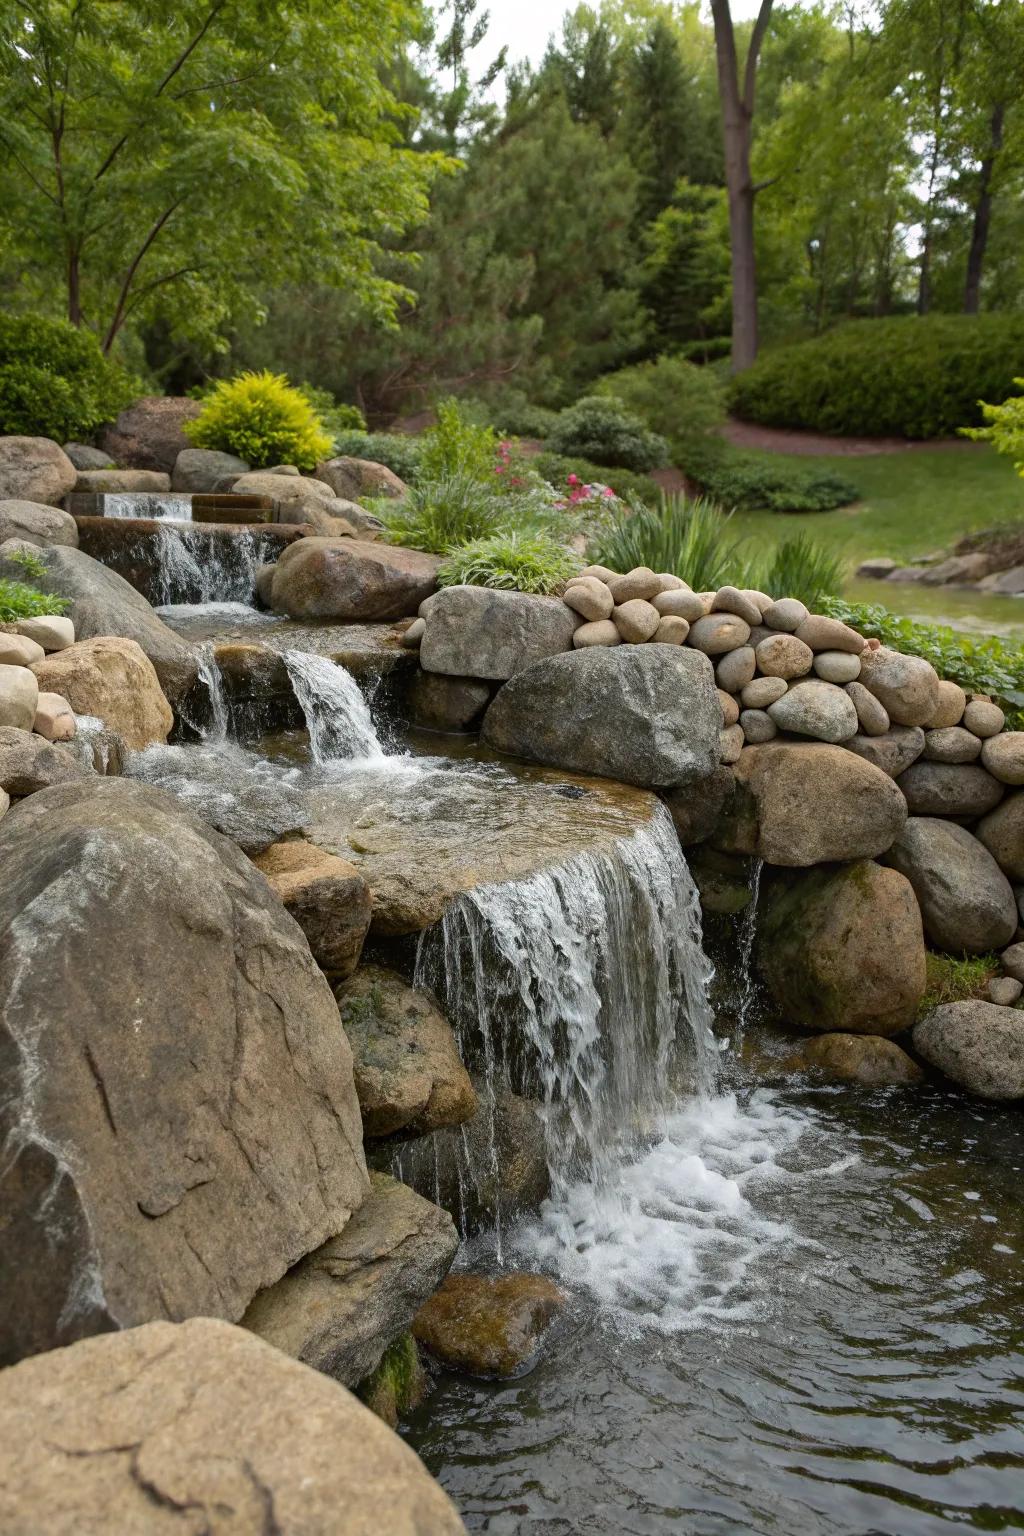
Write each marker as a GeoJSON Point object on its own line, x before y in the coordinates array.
{"type": "Point", "coordinates": [601, 430]}
{"type": "Point", "coordinates": [457, 445]}
{"type": "Point", "coordinates": [1004, 427]}
{"type": "Point", "coordinates": [558, 470]}
{"type": "Point", "coordinates": [516, 417]}
{"type": "Point", "coordinates": [754, 483]}
{"type": "Point", "coordinates": [687, 538]}
{"type": "Point", "coordinates": [21, 599]}
{"type": "Point", "coordinates": [984, 664]}
{"type": "Point", "coordinates": [439, 514]}
{"type": "Point", "coordinates": [55, 381]}
{"type": "Point", "coordinates": [512, 562]}
{"type": "Point", "coordinates": [683, 403]}
{"type": "Point", "coordinates": [400, 453]}
{"type": "Point", "coordinates": [336, 417]}
{"type": "Point", "coordinates": [263, 419]}
{"type": "Point", "coordinates": [917, 377]}
{"type": "Point", "coordinates": [800, 568]}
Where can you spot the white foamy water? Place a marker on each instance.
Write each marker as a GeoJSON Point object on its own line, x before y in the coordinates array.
{"type": "Point", "coordinates": [337, 715]}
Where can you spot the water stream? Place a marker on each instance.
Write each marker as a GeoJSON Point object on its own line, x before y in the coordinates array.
{"type": "Point", "coordinates": [194, 567]}
{"type": "Point", "coordinates": [337, 715]}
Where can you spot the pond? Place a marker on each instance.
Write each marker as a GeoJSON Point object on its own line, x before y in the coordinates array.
{"type": "Point", "coordinates": [979, 613]}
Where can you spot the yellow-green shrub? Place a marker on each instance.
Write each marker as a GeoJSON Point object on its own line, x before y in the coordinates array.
{"type": "Point", "coordinates": [264, 420]}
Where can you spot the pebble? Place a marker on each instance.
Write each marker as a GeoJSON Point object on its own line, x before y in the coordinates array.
{"type": "Point", "coordinates": [720, 632]}
{"type": "Point", "coordinates": [600, 632]}
{"type": "Point", "coordinates": [671, 630]}
{"type": "Point", "coordinates": [680, 604]}
{"type": "Point", "coordinates": [732, 600]}
{"type": "Point", "coordinates": [763, 691]}
{"type": "Point", "coordinates": [52, 631]}
{"type": "Point", "coordinates": [1005, 990]}
{"type": "Point", "coordinates": [871, 712]}
{"type": "Point", "coordinates": [787, 614]}
{"type": "Point", "coordinates": [951, 744]}
{"type": "Point", "coordinates": [731, 740]}
{"type": "Point", "coordinates": [19, 651]}
{"type": "Point", "coordinates": [670, 583]}
{"type": "Point", "coordinates": [785, 656]}
{"type": "Point", "coordinates": [758, 726]}
{"type": "Point", "coordinates": [816, 709]}
{"type": "Point", "coordinates": [636, 620]}
{"type": "Point", "coordinates": [1013, 961]}
{"type": "Point", "coordinates": [1003, 756]}
{"type": "Point", "coordinates": [736, 669]}
{"type": "Point", "coordinates": [837, 666]}
{"type": "Point", "coordinates": [951, 706]}
{"type": "Point", "coordinates": [599, 572]}
{"type": "Point", "coordinates": [823, 634]}
{"type": "Point", "coordinates": [641, 582]}
{"type": "Point", "coordinates": [983, 718]}
{"type": "Point", "coordinates": [55, 719]}
{"type": "Point", "coordinates": [730, 709]}
{"type": "Point", "coordinates": [590, 598]}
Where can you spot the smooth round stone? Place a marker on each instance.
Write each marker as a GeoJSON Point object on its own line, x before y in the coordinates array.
{"type": "Point", "coordinates": [589, 598]}
{"type": "Point", "coordinates": [19, 695]}
{"type": "Point", "coordinates": [671, 630]}
{"type": "Point", "coordinates": [908, 686]}
{"type": "Point", "coordinates": [641, 582]}
{"type": "Point", "coordinates": [817, 709]}
{"type": "Point", "coordinates": [599, 632]}
{"type": "Point", "coordinates": [731, 744]}
{"type": "Point", "coordinates": [670, 583]}
{"type": "Point", "coordinates": [707, 598]}
{"type": "Point", "coordinates": [20, 651]}
{"type": "Point", "coordinates": [950, 789]}
{"type": "Point", "coordinates": [983, 718]}
{"type": "Point", "coordinates": [636, 620]}
{"type": "Point", "coordinates": [1003, 756]}
{"type": "Point", "coordinates": [823, 634]}
{"type": "Point", "coordinates": [730, 708]}
{"type": "Point", "coordinates": [837, 666]}
{"type": "Point", "coordinates": [951, 744]}
{"type": "Point", "coordinates": [950, 708]}
{"type": "Point", "coordinates": [1005, 990]}
{"type": "Point", "coordinates": [719, 632]}
{"type": "Point", "coordinates": [763, 691]}
{"type": "Point", "coordinates": [785, 656]}
{"type": "Point", "coordinates": [1013, 961]}
{"type": "Point", "coordinates": [893, 751]}
{"type": "Point", "coordinates": [761, 600]}
{"type": "Point", "coordinates": [787, 614]}
{"type": "Point", "coordinates": [52, 631]}
{"type": "Point", "coordinates": [732, 600]}
{"type": "Point", "coordinates": [871, 712]}
{"type": "Point", "coordinates": [599, 572]}
{"type": "Point", "coordinates": [759, 632]}
{"type": "Point", "coordinates": [758, 726]}
{"type": "Point", "coordinates": [412, 636]}
{"type": "Point", "coordinates": [680, 604]}
{"type": "Point", "coordinates": [736, 669]}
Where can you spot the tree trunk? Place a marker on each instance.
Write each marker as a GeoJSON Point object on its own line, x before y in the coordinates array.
{"type": "Point", "coordinates": [74, 289]}
{"type": "Point", "coordinates": [982, 216]}
{"type": "Point", "coordinates": [737, 123]}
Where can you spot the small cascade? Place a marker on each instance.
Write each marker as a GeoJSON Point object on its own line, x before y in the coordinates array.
{"type": "Point", "coordinates": [193, 567]}
{"type": "Point", "coordinates": [337, 715]}
{"type": "Point", "coordinates": [747, 936]}
{"type": "Point", "coordinates": [583, 988]}
{"type": "Point", "coordinates": [159, 505]}
{"type": "Point", "coordinates": [216, 727]}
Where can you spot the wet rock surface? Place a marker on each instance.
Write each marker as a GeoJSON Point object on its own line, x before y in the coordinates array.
{"type": "Point", "coordinates": [978, 1045]}
{"type": "Point", "coordinates": [488, 1326]}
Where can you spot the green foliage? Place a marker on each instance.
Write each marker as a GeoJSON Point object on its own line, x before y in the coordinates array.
{"type": "Point", "coordinates": [952, 980]}
{"type": "Point", "coordinates": [264, 420]}
{"type": "Point", "coordinates": [515, 416]}
{"type": "Point", "coordinates": [335, 416]}
{"type": "Point", "coordinates": [800, 568]}
{"type": "Point", "coordinates": [600, 429]}
{"type": "Point", "coordinates": [1004, 427]}
{"type": "Point", "coordinates": [980, 663]}
{"type": "Point", "coordinates": [752, 482]}
{"type": "Point", "coordinates": [458, 446]}
{"type": "Point", "coordinates": [685, 277]}
{"type": "Point", "coordinates": [512, 562]}
{"type": "Point", "coordinates": [55, 381]}
{"type": "Point", "coordinates": [20, 601]}
{"type": "Point", "coordinates": [400, 452]}
{"type": "Point", "coordinates": [916, 377]}
{"type": "Point", "coordinates": [689, 539]}
{"type": "Point", "coordinates": [398, 1384]}
{"type": "Point", "coordinates": [556, 469]}
{"type": "Point", "coordinates": [438, 515]}
{"type": "Point", "coordinates": [681, 402]}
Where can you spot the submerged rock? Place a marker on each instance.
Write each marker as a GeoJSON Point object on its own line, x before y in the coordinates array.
{"type": "Point", "coordinates": [408, 1072]}
{"type": "Point", "coordinates": [200, 1427]}
{"type": "Point", "coordinates": [843, 949]}
{"type": "Point", "coordinates": [646, 715]}
{"type": "Point", "coordinates": [868, 1060]}
{"type": "Point", "coordinates": [340, 1308]}
{"type": "Point", "coordinates": [488, 1326]}
{"type": "Point", "coordinates": [179, 1114]}
{"type": "Point", "coordinates": [966, 901]}
{"type": "Point", "coordinates": [237, 793]}
{"type": "Point", "coordinates": [978, 1045]}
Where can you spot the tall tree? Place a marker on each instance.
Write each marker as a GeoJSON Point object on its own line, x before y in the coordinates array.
{"type": "Point", "coordinates": [738, 95]}
{"type": "Point", "coordinates": [164, 163]}
{"type": "Point", "coordinates": [660, 126]}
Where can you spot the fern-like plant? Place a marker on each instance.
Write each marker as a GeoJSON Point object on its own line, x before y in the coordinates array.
{"type": "Point", "coordinates": [510, 562]}
{"type": "Point", "coordinates": [264, 420]}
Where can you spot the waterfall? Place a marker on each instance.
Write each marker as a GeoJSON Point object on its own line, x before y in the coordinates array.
{"type": "Point", "coordinates": [337, 716]}
{"type": "Point", "coordinates": [748, 934]}
{"type": "Point", "coordinates": [170, 505]}
{"type": "Point", "coordinates": [216, 728]}
{"type": "Point", "coordinates": [577, 987]}
{"type": "Point", "coordinates": [196, 566]}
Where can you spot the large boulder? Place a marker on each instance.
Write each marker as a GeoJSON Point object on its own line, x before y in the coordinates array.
{"type": "Point", "coordinates": [645, 715]}
{"type": "Point", "coordinates": [29, 763]}
{"type": "Point", "coordinates": [328, 898]}
{"type": "Point", "coordinates": [149, 435]}
{"type": "Point", "coordinates": [166, 1430]}
{"type": "Point", "coordinates": [202, 470]}
{"type": "Point", "coordinates": [288, 490]}
{"type": "Point", "coordinates": [950, 789]}
{"type": "Point", "coordinates": [907, 686]}
{"type": "Point", "coordinates": [176, 1099]}
{"type": "Point", "coordinates": [35, 523]}
{"type": "Point", "coordinates": [34, 469]}
{"type": "Point", "coordinates": [475, 632]}
{"type": "Point", "coordinates": [103, 603]}
{"type": "Point", "coordinates": [114, 680]}
{"type": "Point", "coordinates": [1002, 832]}
{"type": "Point", "coordinates": [978, 1045]}
{"type": "Point", "coordinates": [966, 901]}
{"type": "Point", "coordinates": [842, 949]}
{"type": "Point", "coordinates": [340, 1308]}
{"type": "Point", "coordinates": [696, 808]}
{"type": "Point", "coordinates": [348, 579]}
{"type": "Point", "coordinates": [408, 1072]}
{"type": "Point", "coordinates": [355, 478]}
{"type": "Point", "coordinates": [781, 787]}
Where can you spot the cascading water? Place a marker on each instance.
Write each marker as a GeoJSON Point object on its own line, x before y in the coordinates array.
{"type": "Point", "coordinates": [748, 935]}
{"type": "Point", "coordinates": [577, 987]}
{"type": "Point", "coordinates": [337, 716]}
{"type": "Point", "coordinates": [193, 567]}
{"type": "Point", "coordinates": [161, 506]}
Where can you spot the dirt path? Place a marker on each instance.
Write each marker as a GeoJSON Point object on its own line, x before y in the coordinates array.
{"type": "Point", "coordinates": [746, 434]}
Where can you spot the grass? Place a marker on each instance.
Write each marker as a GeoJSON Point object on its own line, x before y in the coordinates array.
{"type": "Point", "coordinates": [510, 561]}
{"type": "Point", "coordinates": [950, 980]}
